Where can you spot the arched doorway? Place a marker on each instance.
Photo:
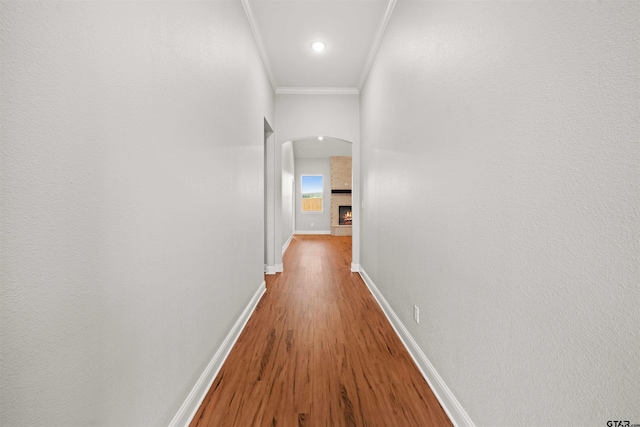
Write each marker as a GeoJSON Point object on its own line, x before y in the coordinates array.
{"type": "Point", "coordinates": [320, 161]}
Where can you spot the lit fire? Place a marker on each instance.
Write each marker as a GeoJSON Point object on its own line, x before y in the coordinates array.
{"type": "Point", "coordinates": [347, 217]}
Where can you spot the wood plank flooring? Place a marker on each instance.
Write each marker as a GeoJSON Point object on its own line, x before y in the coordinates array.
{"type": "Point", "coordinates": [318, 351]}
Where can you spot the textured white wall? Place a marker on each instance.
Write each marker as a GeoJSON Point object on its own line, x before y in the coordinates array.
{"type": "Point", "coordinates": [131, 188]}
{"type": "Point", "coordinates": [301, 116]}
{"type": "Point", "coordinates": [288, 196]}
{"type": "Point", "coordinates": [501, 185]}
{"type": "Point", "coordinates": [321, 221]}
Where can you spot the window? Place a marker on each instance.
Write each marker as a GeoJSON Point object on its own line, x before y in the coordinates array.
{"type": "Point", "coordinates": [311, 193]}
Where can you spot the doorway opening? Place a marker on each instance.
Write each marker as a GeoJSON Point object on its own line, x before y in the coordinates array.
{"type": "Point", "coordinates": [331, 159]}
{"type": "Point", "coordinates": [268, 131]}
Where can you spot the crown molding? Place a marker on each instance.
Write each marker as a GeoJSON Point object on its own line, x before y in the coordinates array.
{"type": "Point", "coordinates": [258, 37]}
{"type": "Point", "coordinates": [376, 42]}
{"type": "Point", "coordinates": [317, 91]}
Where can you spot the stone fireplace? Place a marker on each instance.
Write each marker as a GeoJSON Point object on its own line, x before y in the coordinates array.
{"type": "Point", "coordinates": [341, 217]}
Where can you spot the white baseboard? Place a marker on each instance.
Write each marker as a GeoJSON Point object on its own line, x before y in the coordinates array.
{"type": "Point", "coordinates": [449, 403]}
{"type": "Point", "coordinates": [270, 269]}
{"type": "Point", "coordinates": [286, 245]}
{"type": "Point", "coordinates": [355, 268]}
{"type": "Point", "coordinates": [313, 232]}
{"type": "Point", "coordinates": [193, 401]}
{"type": "Point", "coordinates": [279, 268]}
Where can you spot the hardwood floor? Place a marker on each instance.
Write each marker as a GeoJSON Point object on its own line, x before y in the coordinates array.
{"type": "Point", "coordinates": [318, 351]}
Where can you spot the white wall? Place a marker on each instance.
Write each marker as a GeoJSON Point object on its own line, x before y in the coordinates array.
{"type": "Point", "coordinates": [336, 116]}
{"type": "Point", "coordinates": [501, 178]}
{"type": "Point", "coordinates": [288, 195]}
{"type": "Point", "coordinates": [314, 222]}
{"type": "Point", "coordinates": [131, 168]}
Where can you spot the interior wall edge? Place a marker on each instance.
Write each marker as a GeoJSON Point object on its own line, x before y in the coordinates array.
{"type": "Point", "coordinates": [199, 391]}
{"type": "Point", "coordinates": [286, 244]}
{"type": "Point", "coordinates": [445, 396]}
{"type": "Point", "coordinates": [270, 269]}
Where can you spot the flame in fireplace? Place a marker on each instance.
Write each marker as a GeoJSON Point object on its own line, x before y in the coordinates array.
{"type": "Point", "coordinates": [344, 215]}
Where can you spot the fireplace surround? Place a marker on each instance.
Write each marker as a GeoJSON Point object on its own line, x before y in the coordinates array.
{"type": "Point", "coordinates": [341, 202]}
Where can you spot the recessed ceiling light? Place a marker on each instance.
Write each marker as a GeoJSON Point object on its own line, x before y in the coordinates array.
{"type": "Point", "coordinates": [320, 138]}
{"type": "Point", "coordinates": [318, 46]}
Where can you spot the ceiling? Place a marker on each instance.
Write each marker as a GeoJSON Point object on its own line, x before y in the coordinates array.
{"type": "Point", "coordinates": [285, 29]}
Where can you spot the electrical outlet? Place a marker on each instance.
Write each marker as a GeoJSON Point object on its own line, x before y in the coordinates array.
{"type": "Point", "coordinates": [416, 314]}
{"type": "Point", "coordinates": [312, 224]}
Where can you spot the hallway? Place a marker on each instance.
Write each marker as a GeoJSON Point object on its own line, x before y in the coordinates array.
{"type": "Point", "coordinates": [494, 191]}
{"type": "Point", "coordinates": [318, 351]}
